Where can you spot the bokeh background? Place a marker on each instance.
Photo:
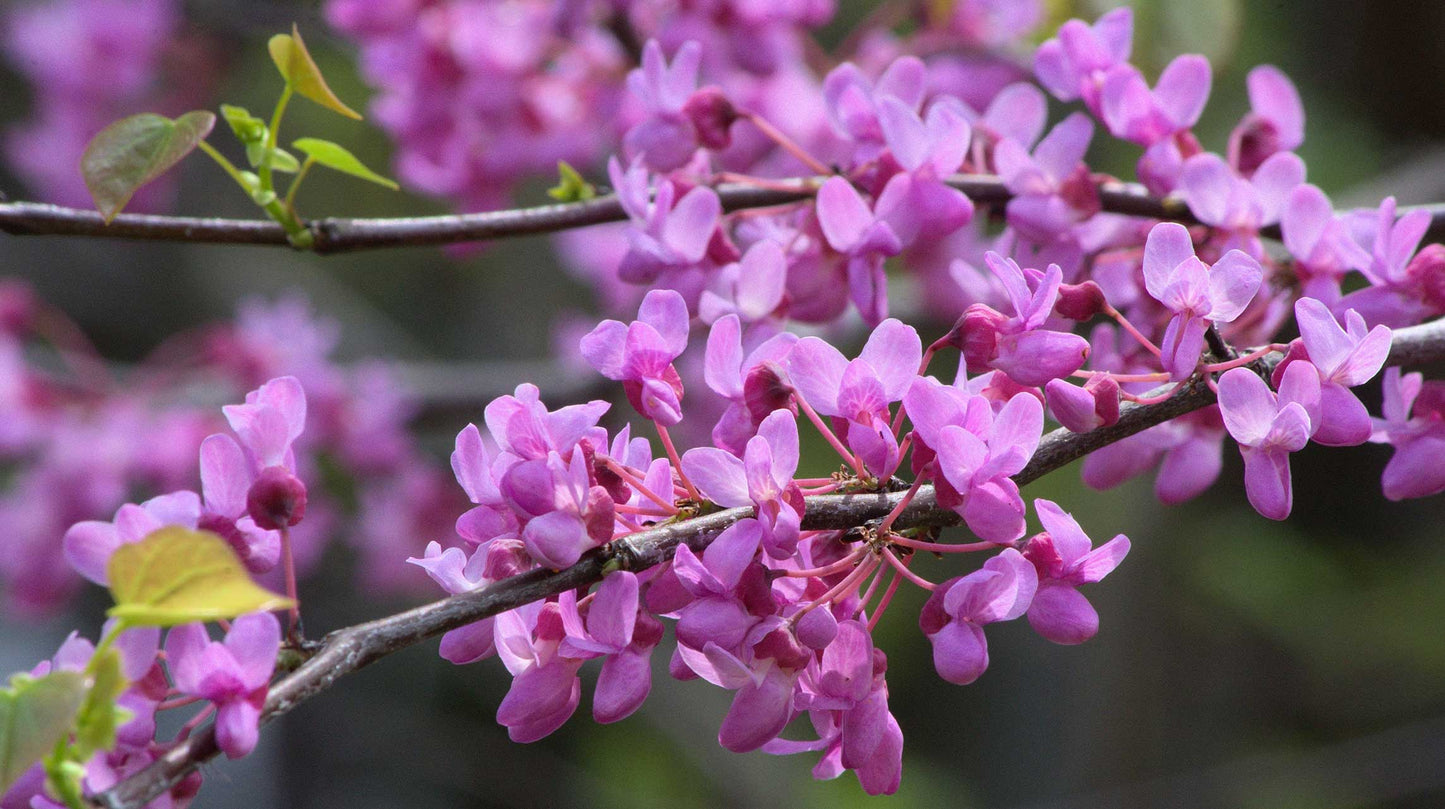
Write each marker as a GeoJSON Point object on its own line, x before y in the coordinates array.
{"type": "Point", "coordinates": [1241, 663]}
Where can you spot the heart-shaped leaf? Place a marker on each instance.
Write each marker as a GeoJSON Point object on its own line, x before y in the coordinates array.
{"type": "Point", "coordinates": [334, 156]}
{"type": "Point", "coordinates": [176, 576]}
{"type": "Point", "coordinates": [289, 53]}
{"type": "Point", "coordinates": [35, 713]}
{"type": "Point", "coordinates": [133, 151]}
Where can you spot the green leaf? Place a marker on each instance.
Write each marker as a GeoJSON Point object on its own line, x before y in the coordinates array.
{"type": "Point", "coordinates": [289, 53]}
{"type": "Point", "coordinates": [571, 188]}
{"type": "Point", "coordinates": [248, 128]}
{"type": "Point", "coordinates": [133, 151]}
{"type": "Point", "coordinates": [99, 714]}
{"type": "Point", "coordinates": [176, 576]}
{"type": "Point", "coordinates": [337, 157]}
{"type": "Point", "coordinates": [35, 713]}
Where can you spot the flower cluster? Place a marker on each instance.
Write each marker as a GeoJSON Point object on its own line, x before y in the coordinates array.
{"type": "Point", "coordinates": [1063, 312]}
{"type": "Point", "coordinates": [1069, 313]}
{"type": "Point", "coordinates": [779, 614]}
{"type": "Point", "coordinates": [251, 498]}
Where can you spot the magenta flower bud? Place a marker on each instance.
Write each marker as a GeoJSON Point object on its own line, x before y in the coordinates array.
{"type": "Point", "coordinates": [1106, 399]}
{"type": "Point", "coordinates": [1080, 193]}
{"type": "Point", "coordinates": [765, 391]}
{"type": "Point", "coordinates": [976, 335]}
{"type": "Point", "coordinates": [1086, 408]}
{"type": "Point", "coordinates": [711, 114]}
{"type": "Point", "coordinates": [1080, 301]}
{"type": "Point", "coordinates": [505, 558]}
{"type": "Point", "coordinates": [1253, 143]}
{"type": "Point", "coordinates": [781, 645]}
{"type": "Point", "coordinates": [1427, 269]}
{"type": "Point", "coordinates": [277, 499]}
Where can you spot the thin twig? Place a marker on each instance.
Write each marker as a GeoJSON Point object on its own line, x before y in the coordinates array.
{"type": "Point", "coordinates": [347, 650]}
{"type": "Point", "coordinates": [338, 235]}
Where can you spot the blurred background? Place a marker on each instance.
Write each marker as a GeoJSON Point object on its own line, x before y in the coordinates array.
{"type": "Point", "coordinates": [1241, 663]}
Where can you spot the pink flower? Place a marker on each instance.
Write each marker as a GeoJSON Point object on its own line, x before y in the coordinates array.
{"type": "Point", "coordinates": [1065, 558]}
{"type": "Point", "coordinates": [640, 355]}
{"type": "Point", "coordinates": [1197, 294]}
{"type": "Point", "coordinates": [233, 674]}
{"type": "Point", "coordinates": [1135, 113]}
{"type": "Point", "coordinates": [1268, 428]}
{"type": "Point", "coordinates": [955, 614]}
{"type": "Point", "coordinates": [762, 478]}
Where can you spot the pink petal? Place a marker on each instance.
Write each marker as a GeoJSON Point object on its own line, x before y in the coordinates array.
{"type": "Point", "coordinates": [1064, 147]}
{"type": "Point", "coordinates": [470, 643]}
{"type": "Point", "coordinates": [718, 474]}
{"type": "Point", "coordinates": [1208, 186]}
{"type": "Point", "coordinates": [1070, 540]}
{"type": "Point", "coordinates": [1233, 281]}
{"type": "Point", "coordinates": [1018, 112]}
{"type": "Point", "coordinates": [759, 712]}
{"type": "Point", "coordinates": [236, 727]}
{"type": "Point", "coordinates": [185, 648]}
{"type": "Point", "coordinates": [816, 369]}
{"type": "Point", "coordinates": [88, 546]}
{"type": "Point", "coordinates": [225, 475]}
{"type": "Point", "coordinates": [622, 686]}
{"type": "Point", "coordinates": [1275, 179]}
{"type": "Point", "coordinates": [1344, 421]}
{"type": "Point", "coordinates": [613, 613]}
{"type": "Point", "coordinates": [960, 652]}
{"type": "Point", "coordinates": [690, 224]}
{"type": "Point", "coordinates": [904, 132]}
{"type": "Point", "coordinates": [1247, 406]}
{"type": "Point", "coordinates": [894, 351]}
{"type": "Point", "coordinates": [537, 697]}
{"type": "Point", "coordinates": [1167, 247]}
{"type": "Point", "coordinates": [722, 365]}
{"type": "Point", "coordinates": [1273, 97]}
{"type": "Point", "coordinates": [842, 214]}
{"type": "Point", "coordinates": [666, 312]}
{"type": "Point", "coordinates": [1060, 614]}
{"type": "Point", "coordinates": [761, 281]}
{"type": "Point", "coordinates": [1267, 481]}
{"type": "Point", "coordinates": [1183, 89]}
{"type": "Point", "coordinates": [780, 430]}
{"type": "Point", "coordinates": [254, 640]}
{"type": "Point", "coordinates": [603, 349]}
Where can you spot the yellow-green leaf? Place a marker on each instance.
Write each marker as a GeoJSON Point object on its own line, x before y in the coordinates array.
{"type": "Point", "coordinates": [99, 714]}
{"type": "Point", "coordinates": [247, 127]}
{"type": "Point", "coordinates": [133, 151]}
{"type": "Point", "coordinates": [35, 713]}
{"type": "Point", "coordinates": [289, 53]}
{"type": "Point", "coordinates": [176, 576]}
{"type": "Point", "coordinates": [570, 186]}
{"type": "Point", "coordinates": [334, 156]}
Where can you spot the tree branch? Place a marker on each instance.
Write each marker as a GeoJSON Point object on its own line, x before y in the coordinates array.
{"type": "Point", "coordinates": [338, 235]}
{"type": "Point", "coordinates": [347, 650]}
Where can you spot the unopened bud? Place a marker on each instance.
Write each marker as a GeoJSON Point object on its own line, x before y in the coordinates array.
{"type": "Point", "coordinates": [711, 114]}
{"type": "Point", "coordinates": [976, 335]}
{"type": "Point", "coordinates": [1427, 268]}
{"type": "Point", "coordinates": [1080, 301]}
{"type": "Point", "coordinates": [277, 499]}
